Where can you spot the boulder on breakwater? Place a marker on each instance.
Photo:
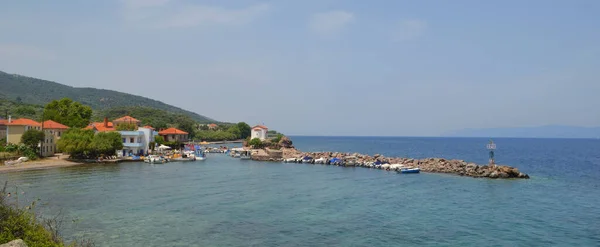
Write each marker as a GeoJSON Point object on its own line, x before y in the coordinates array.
{"type": "Point", "coordinates": [435, 165]}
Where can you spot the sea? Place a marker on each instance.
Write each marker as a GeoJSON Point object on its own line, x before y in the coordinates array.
{"type": "Point", "coordinates": [224, 201]}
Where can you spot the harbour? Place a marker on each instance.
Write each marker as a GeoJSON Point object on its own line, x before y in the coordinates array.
{"type": "Point", "coordinates": [238, 202]}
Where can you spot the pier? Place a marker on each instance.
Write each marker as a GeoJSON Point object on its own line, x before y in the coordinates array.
{"type": "Point", "coordinates": [432, 165]}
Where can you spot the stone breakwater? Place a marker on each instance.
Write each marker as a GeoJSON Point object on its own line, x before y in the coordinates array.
{"type": "Point", "coordinates": [435, 165]}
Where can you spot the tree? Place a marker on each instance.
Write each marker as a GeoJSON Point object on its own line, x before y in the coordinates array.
{"type": "Point", "coordinates": [126, 126]}
{"type": "Point", "coordinates": [68, 112]}
{"type": "Point", "coordinates": [76, 142]}
{"type": "Point", "coordinates": [186, 124]}
{"type": "Point", "coordinates": [159, 140]}
{"type": "Point", "coordinates": [235, 131]}
{"type": "Point", "coordinates": [278, 138]}
{"type": "Point", "coordinates": [245, 130]}
{"type": "Point", "coordinates": [32, 138]}
{"type": "Point", "coordinates": [106, 143]}
{"type": "Point", "coordinates": [255, 143]}
{"type": "Point", "coordinates": [25, 111]}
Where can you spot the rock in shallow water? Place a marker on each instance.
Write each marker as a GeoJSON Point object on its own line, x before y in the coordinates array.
{"type": "Point", "coordinates": [14, 243]}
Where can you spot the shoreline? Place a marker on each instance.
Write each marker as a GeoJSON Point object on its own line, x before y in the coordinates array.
{"type": "Point", "coordinates": [45, 163]}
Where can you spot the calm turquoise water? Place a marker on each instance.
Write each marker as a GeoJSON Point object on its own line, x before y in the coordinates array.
{"type": "Point", "coordinates": [229, 202]}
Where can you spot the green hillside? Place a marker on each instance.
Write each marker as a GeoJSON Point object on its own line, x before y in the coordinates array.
{"type": "Point", "coordinates": [20, 110]}
{"type": "Point", "coordinates": [34, 91]}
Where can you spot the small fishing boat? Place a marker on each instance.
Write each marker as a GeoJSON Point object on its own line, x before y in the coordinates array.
{"type": "Point", "coordinates": [409, 170]}
{"type": "Point", "coordinates": [245, 155]}
{"type": "Point", "coordinates": [155, 159]}
{"type": "Point", "coordinates": [290, 160]}
{"type": "Point", "coordinates": [321, 160]}
{"type": "Point", "coordinates": [307, 159]}
{"type": "Point", "coordinates": [336, 161]}
{"type": "Point", "coordinates": [184, 159]}
{"type": "Point", "coordinates": [200, 155]}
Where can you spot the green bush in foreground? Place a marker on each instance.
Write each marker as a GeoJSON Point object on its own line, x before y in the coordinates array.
{"type": "Point", "coordinates": [22, 223]}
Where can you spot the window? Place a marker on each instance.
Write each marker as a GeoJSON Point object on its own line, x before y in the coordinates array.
{"type": "Point", "coordinates": [124, 140]}
{"type": "Point", "coordinates": [58, 132]}
{"type": "Point", "coordinates": [139, 140]}
{"type": "Point", "coordinates": [131, 140]}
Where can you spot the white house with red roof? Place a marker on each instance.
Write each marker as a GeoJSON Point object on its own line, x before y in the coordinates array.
{"type": "Point", "coordinates": [260, 132]}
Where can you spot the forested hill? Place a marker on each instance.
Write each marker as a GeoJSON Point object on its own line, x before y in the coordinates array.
{"type": "Point", "coordinates": [34, 91]}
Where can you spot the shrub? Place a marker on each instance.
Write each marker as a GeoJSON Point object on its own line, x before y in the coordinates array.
{"type": "Point", "coordinates": [255, 143]}
{"type": "Point", "coordinates": [20, 223]}
{"type": "Point", "coordinates": [32, 138]}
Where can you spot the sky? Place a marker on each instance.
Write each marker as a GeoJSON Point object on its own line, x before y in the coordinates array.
{"type": "Point", "coordinates": [324, 67]}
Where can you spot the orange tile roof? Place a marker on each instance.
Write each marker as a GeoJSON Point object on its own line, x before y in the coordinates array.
{"type": "Point", "coordinates": [49, 124]}
{"type": "Point", "coordinates": [126, 119]}
{"type": "Point", "coordinates": [260, 127]}
{"type": "Point", "coordinates": [99, 126]}
{"type": "Point", "coordinates": [24, 122]}
{"type": "Point", "coordinates": [148, 127]}
{"type": "Point", "coordinates": [213, 125]}
{"type": "Point", "coordinates": [3, 121]}
{"type": "Point", "coordinates": [172, 131]}
{"type": "Point", "coordinates": [110, 124]}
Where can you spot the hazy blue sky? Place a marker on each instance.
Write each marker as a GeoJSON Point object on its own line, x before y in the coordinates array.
{"type": "Point", "coordinates": [324, 67]}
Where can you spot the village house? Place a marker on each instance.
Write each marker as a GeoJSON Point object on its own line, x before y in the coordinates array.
{"type": "Point", "coordinates": [3, 123]}
{"type": "Point", "coordinates": [101, 126]}
{"type": "Point", "coordinates": [137, 142]}
{"type": "Point", "coordinates": [55, 129]}
{"type": "Point", "coordinates": [16, 128]}
{"type": "Point", "coordinates": [260, 132]}
{"type": "Point", "coordinates": [174, 135]}
{"type": "Point", "coordinates": [213, 126]}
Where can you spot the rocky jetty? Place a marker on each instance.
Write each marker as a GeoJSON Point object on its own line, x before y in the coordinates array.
{"type": "Point", "coordinates": [436, 165]}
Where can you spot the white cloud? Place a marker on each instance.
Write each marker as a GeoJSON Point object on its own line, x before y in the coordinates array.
{"type": "Point", "coordinates": [330, 22]}
{"type": "Point", "coordinates": [172, 14]}
{"type": "Point", "coordinates": [409, 29]}
{"type": "Point", "coordinates": [17, 51]}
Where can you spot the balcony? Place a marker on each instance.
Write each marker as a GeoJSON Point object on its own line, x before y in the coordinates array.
{"type": "Point", "coordinates": [131, 133]}
{"type": "Point", "coordinates": [133, 145]}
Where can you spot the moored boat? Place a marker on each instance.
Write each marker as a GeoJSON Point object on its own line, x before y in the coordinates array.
{"type": "Point", "coordinates": [155, 159]}
{"type": "Point", "coordinates": [409, 170]}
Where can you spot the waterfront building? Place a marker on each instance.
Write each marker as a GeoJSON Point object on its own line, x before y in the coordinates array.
{"type": "Point", "coordinates": [56, 130]}
{"type": "Point", "coordinates": [174, 135]}
{"type": "Point", "coordinates": [136, 142]}
{"type": "Point", "coordinates": [16, 128]}
{"type": "Point", "coordinates": [3, 123]}
{"type": "Point", "coordinates": [260, 132]}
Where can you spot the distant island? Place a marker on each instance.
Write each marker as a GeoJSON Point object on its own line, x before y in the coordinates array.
{"type": "Point", "coordinates": [549, 131]}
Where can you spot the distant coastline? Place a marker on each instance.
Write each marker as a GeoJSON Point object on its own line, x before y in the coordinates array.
{"type": "Point", "coordinates": [549, 131]}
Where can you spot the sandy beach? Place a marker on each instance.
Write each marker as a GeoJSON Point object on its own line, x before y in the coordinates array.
{"type": "Point", "coordinates": [39, 164]}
